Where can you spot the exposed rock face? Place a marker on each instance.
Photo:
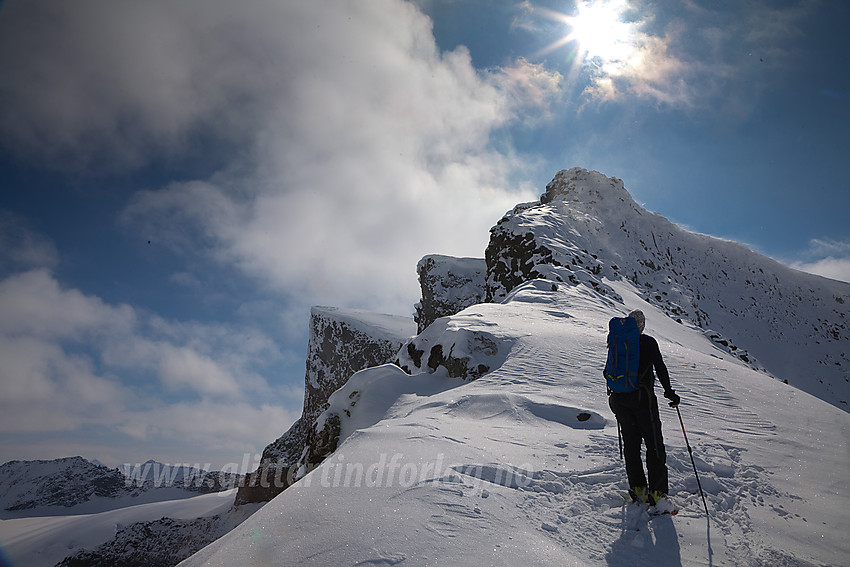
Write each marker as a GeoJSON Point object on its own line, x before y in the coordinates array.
{"type": "Point", "coordinates": [586, 228]}
{"type": "Point", "coordinates": [342, 341]}
{"type": "Point", "coordinates": [449, 285]}
{"type": "Point", "coordinates": [151, 475]}
{"type": "Point", "coordinates": [161, 543]}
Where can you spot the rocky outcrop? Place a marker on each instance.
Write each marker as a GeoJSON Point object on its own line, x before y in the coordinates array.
{"type": "Point", "coordinates": [61, 482]}
{"type": "Point", "coordinates": [161, 543]}
{"type": "Point", "coordinates": [449, 285]}
{"type": "Point", "coordinates": [461, 352]}
{"type": "Point", "coordinates": [342, 341]}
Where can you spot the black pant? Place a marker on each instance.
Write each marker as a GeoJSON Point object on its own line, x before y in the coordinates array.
{"type": "Point", "coordinates": [637, 413]}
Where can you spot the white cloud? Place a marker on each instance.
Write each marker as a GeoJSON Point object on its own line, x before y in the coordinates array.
{"type": "Point", "coordinates": [371, 155]}
{"type": "Point", "coordinates": [687, 56]}
{"type": "Point", "coordinates": [184, 367]}
{"type": "Point", "coordinates": [357, 145]}
{"type": "Point", "coordinates": [45, 388]}
{"type": "Point", "coordinates": [835, 268]}
{"type": "Point", "coordinates": [828, 258]}
{"type": "Point", "coordinates": [34, 304]}
{"type": "Point", "coordinates": [236, 426]}
{"type": "Point", "coordinates": [124, 79]}
{"type": "Point", "coordinates": [531, 88]}
{"type": "Point", "coordinates": [22, 247]}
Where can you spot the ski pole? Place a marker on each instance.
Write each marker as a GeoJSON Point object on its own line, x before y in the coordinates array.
{"type": "Point", "coordinates": [691, 453]}
{"type": "Point", "coordinates": [620, 439]}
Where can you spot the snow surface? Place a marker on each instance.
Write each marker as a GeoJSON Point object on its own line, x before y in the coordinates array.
{"type": "Point", "coordinates": [45, 540]}
{"type": "Point", "coordinates": [522, 467]}
{"type": "Point", "coordinates": [378, 325]}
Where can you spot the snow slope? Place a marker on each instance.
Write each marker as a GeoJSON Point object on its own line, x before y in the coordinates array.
{"type": "Point", "coordinates": [521, 466]}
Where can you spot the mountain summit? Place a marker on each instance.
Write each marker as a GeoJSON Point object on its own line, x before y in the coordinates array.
{"type": "Point", "coordinates": [587, 230]}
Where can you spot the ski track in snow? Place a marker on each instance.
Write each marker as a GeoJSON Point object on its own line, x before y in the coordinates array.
{"type": "Point", "coordinates": [571, 505]}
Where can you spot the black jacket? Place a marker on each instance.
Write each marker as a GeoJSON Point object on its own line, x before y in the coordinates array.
{"type": "Point", "coordinates": [650, 358]}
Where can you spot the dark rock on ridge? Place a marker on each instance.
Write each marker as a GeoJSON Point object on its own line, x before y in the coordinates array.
{"type": "Point", "coordinates": [449, 285]}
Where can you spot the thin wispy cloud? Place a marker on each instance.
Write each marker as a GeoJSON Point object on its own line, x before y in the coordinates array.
{"type": "Point", "coordinates": [828, 258]}
{"type": "Point", "coordinates": [21, 247]}
{"type": "Point", "coordinates": [681, 56]}
{"type": "Point", "coordinates": [531, 88]}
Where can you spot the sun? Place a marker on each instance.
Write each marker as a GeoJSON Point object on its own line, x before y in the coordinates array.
{"type": "Point", "coordinates": [598, 30]}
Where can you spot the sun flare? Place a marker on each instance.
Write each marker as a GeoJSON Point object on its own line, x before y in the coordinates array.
{"type": "Point", "coordinates": [598, 31]}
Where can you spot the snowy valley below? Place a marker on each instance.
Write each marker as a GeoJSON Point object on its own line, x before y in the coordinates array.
{"type": "Point", "coordinates": [487, 438]}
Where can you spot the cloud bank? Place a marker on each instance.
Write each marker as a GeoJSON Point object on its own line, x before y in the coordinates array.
{"type": "Point", "coordinates": [71, 362]}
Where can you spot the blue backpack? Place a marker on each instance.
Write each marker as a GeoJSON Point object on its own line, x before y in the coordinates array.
{"type": "Point", "coordinates": [621, 369]}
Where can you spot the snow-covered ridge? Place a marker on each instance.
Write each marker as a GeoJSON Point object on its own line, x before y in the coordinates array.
{"type": "Point", "coordinates": [521, 466]}
{"type": "Point", "coordinates": [495, 443]}
{"type": "Point", "coordinates": [522, 450]}
{"type": "Point", "coordinates": [61, 482]}
{"type": "Point", "coordinates": [159, 543]}
{"type": "Point", "coordinates": [53, 509]}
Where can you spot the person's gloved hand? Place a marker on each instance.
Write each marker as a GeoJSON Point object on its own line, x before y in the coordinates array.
{"type": "Point", "coordinates": [673, 397]}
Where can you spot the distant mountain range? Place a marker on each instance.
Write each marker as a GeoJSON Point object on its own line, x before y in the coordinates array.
{"type": "Point", "coordinates": [72, 481]}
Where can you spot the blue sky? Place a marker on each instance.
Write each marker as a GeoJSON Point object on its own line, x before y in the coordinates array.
{"type": "Point", "coordinates": [182, 181]}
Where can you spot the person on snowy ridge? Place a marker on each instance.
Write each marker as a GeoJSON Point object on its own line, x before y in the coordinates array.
{"type": "Point", "coordinates": [640, 422]}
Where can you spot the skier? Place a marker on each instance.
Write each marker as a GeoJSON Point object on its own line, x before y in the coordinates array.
{"type": "Point", "coordinates": [640, 422]}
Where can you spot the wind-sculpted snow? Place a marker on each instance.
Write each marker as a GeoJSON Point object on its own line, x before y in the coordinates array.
{"type": "Point", "coordinates": [460, 346]}
{"type": "Point", "coordinates": [587, 230]}
{"type": "Point", "coordinates": [451, 348]}
{"type": "Point", "coordinates": [521, 466]}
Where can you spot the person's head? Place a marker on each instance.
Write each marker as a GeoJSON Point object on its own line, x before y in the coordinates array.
{"type": "Point", "coordinates": [639, 317]}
